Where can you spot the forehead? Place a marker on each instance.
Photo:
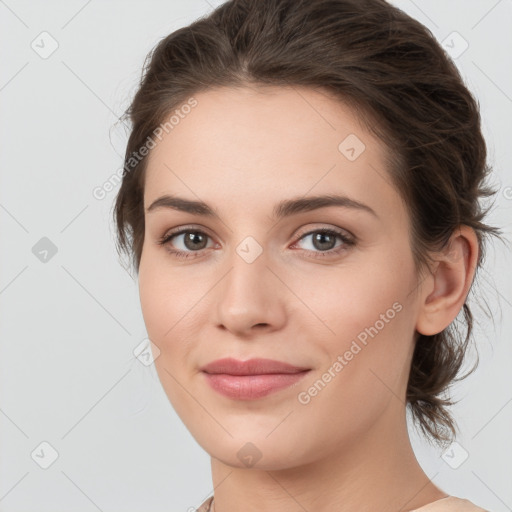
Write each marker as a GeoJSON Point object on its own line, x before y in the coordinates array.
{"type": "Point", "coordinates": [246, 144]}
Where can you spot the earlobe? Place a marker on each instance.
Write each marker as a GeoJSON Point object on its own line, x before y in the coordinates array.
{"type": "Point", "coordinates": [445, 291]}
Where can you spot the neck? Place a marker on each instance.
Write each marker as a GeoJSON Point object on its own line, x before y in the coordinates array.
{"type": "Point", "coordinates": [374, 470]}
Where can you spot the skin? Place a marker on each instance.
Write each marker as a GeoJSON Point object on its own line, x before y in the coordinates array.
{"type": "Point", "coordinates": [242, 151]}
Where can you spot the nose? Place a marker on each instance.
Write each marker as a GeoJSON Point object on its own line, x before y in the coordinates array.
{"type": "Point", "coordinates": [251, 297]}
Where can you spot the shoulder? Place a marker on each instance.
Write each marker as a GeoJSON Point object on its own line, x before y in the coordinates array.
{"type": "Point", "coordinates": [451, 504]}
{"type": "Point", "coordinates": [205, 506]}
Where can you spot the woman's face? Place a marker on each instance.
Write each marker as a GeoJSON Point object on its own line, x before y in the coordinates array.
{"type": "Point", "coordinates": [258, 279]}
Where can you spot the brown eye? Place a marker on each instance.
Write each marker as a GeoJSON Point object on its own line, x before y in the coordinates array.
{"type": "Point", "coordinates": [323, 242]}
{"type": "Point", "coordinates": [194, 240]}
{"type": "Point", "coordinates": [185, 242]}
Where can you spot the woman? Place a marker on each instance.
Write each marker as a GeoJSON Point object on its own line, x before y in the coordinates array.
{"type": "Point", "coordinates": [327, 160]}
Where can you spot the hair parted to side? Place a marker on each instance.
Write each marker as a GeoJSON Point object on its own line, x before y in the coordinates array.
{"type": "Point", "coordinates": [394, 74]}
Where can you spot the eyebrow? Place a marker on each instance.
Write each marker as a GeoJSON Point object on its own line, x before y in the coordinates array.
{"type": "Point", "coordinates": [285, 208]}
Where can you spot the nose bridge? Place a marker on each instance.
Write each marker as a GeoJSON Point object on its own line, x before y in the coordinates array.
{"type": "Point", "coordinates": [247, 276]}
{"type": "Point", "coordinates": [248, 294]}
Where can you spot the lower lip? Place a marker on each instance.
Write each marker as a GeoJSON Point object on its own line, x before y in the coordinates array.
{"type": "Point", "coordinates": [252, 387]}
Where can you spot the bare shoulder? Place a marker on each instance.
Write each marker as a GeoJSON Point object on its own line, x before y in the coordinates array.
{"type": "Point", "coordinates": [451, 504]}
{"type": "Point", "coordinates": [205, 506]}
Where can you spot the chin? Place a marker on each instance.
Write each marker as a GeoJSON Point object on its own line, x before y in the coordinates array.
{"type": "Point", "coordinates": [256, 450]}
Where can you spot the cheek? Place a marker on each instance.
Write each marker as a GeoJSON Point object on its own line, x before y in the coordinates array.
{"type": "Point", "coordinates": [366, 319]}
{"type": "Point", "coordinates": [349, 299]}
{"type": "Point", "coordinates": [163, 300]}
{"type": "Point", "coordinates": [173, 303]}
{"type": "Point", "coordinates": [152, 299]}
{"type": "Point", "coordinates": [370, 331]}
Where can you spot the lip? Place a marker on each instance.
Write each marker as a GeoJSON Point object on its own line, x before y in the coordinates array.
{"type": "Point", "coordinates": [252, 379]}
{"type": "Point", "coordinates": [256, 366]}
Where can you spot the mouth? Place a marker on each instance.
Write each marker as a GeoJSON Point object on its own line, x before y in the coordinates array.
{"type": "Point", "coordinates": [252, 379]}
{"type": "Point", "coordinates": [257, 366]}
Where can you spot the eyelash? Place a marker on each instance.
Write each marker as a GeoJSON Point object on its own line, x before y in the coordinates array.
{"type": "Point", "coordinates": [347, 242]}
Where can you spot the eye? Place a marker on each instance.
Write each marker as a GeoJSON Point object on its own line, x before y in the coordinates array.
{"type": "Point", "coordinates": [192, 240]}
{"type": "Point", "coordinates": [323, 242]}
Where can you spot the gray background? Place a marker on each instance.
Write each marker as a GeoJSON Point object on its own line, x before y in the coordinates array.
{"type": "Point", "coordinates": [69, 325]}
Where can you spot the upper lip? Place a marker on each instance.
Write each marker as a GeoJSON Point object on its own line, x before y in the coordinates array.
{"type": "Point", "coordinates": [257, 366]}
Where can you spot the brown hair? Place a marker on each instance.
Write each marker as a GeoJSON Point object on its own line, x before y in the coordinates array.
{"type": "Point", "coordinates": [406, 90]}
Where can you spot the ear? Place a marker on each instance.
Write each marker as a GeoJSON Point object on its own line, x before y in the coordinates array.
{"type": "Point", "coordinates": [445, 290]}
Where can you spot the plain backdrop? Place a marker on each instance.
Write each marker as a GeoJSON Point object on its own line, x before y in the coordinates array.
{"type": "Point", "coordinates": [73, 395]}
